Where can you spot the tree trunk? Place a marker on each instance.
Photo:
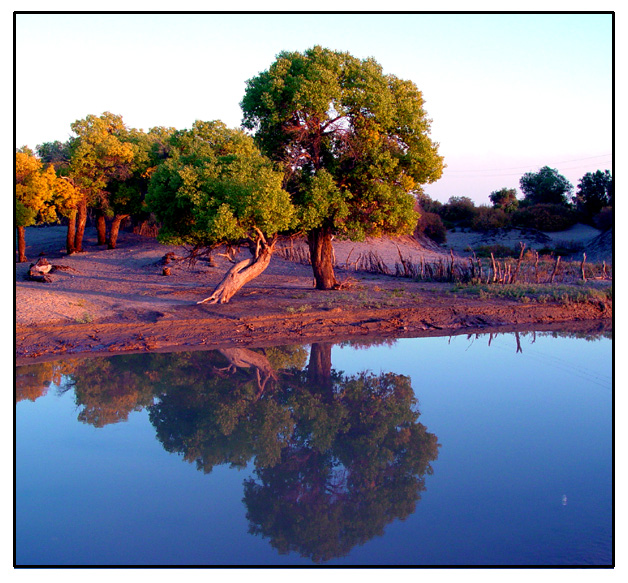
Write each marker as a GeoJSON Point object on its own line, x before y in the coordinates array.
{"type": "Point", "coordinates": [81, 221]}
{"type": "Point", "coordinates": [319, 370]}
{"type": "Point", "coordinates": [241, 273]}
{"type": "Point", "coordinates": [115, 229]}
{"type": "Point", "coordinates": [101, 229]}
{"type": "Point", "coordinates": [69, 242]}
{"type": "Point", "coordinates": [322, 256]}
{"type": "Point", "coordinates": [21, 245]}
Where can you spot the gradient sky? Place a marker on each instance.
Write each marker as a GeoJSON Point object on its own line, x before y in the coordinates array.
{"type": "Point", "coordinates": [507, 93]}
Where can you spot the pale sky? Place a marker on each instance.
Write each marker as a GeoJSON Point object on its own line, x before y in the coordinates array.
{"type": "Point", "coordinates": [507, 93]}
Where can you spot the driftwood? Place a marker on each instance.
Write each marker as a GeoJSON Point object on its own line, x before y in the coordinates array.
{"type": "Point", "coordinates": [41, 270]}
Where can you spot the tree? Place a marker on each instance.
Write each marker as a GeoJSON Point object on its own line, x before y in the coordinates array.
{"type": "Point", "coordinates": [55, 153]}
{"type": "Point", "coordinates": [126, 192]}
{"type": "Point", "coordinates": [99, 154]}
{"type": "Point", "coordinates": [39, 195]}
{"type": "Point", "coordinates": [217, 188]}
{"type": "Point", "coordinates": [504, 199]}
{"type": "Point", "coordinates": [352, 141]}
{"type": "Point", "coordinates": [458, 209]}
{"type": "Point", "coordinates": [546, 186]}
{"type": "Point", "coordinates": [67, 196]}
{"type": "Point", "coordinates": [488, 218]}
{"type": "Point", "coordinates": [595, 191]}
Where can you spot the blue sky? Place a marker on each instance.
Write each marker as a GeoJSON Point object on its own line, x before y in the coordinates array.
{"type": "Point", "coordinates": [507, 93]}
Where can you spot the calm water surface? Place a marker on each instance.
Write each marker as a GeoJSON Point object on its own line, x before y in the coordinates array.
{"type": "Point", "coordinates": [482, 450]}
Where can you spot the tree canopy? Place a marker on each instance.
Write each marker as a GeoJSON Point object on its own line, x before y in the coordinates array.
{"type": "Point", "coordinates": [546, 186]}
{"type": "Point", "coordinates": [217, 188]}
{"type": "Point", "coordinates": [353, 143]}
{"type": "Point", "coordinates": [505, 199]}
{"type": "Point", "coordinates": [40, 195]}
{"type": "Point", "coordinates": [595, 191]}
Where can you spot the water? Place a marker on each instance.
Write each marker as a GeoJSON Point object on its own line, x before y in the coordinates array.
{"type": "Point", "coordinates": [483, 450]}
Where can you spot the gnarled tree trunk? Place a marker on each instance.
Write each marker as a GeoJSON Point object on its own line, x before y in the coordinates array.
{"type": "Point", "coordinates": [322, 257]}
{"type": "Point", "coordinates": [21, 245]}
{"type": "Point", "coordinates": [81, 221]}
{"type": "Point", "coordinates": [115, 229]}
{"type": "Point", "coordinates": [243, 272]}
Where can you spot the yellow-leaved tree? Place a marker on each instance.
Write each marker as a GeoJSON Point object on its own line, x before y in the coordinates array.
{"type": "Point", "coordinates": [40, 196]}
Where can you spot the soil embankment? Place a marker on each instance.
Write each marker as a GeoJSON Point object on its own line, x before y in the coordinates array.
{"type": "Point", "coordinates": [107, 301]}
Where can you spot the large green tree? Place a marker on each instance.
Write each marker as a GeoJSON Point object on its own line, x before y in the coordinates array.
{"type": "Point", "coordinates": [353, 143]}
{"type": "Point", "coordinates": [546, 186]}
{"type": "Point", "coordinates": [217, 188]}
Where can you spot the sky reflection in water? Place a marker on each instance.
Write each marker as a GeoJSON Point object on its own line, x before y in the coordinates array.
{"type": "Point", "coordinates": [435, 451]}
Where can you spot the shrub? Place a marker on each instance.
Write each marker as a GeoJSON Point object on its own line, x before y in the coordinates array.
{"type": "Point", "coordinates": [431, 225]}
{"type": "Point", "coordinates": [604, 219]}
{"type": "Point", "coordinates": [568, 248]}
{"type": "Point", "coordinates": [544, 217]}
{"type": "Point", "coordinates": [488, 218]}
{"type": "Point", "coordinates": [497, 250]}
{"type": "Point", "coordinates": [459, 209]}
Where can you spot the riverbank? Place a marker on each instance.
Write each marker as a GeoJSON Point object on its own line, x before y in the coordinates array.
{"type": "Point", "coordinates": [109, 301]}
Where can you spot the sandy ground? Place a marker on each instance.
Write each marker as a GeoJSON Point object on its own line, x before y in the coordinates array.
{"type": "Point", "coordinates": [115, 300]}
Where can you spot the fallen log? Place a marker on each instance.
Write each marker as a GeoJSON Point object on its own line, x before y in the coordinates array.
{"type": "Point", "coordinates": [41, 270]}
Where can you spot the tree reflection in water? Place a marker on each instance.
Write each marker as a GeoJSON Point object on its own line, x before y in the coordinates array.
{"type": "Point", "coordinates": [355, 462]}
{"type": "Point", "coordinates": [336, 457]}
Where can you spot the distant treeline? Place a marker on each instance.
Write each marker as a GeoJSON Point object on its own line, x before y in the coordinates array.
{"type": "Point", "coordinates": [548, 204]}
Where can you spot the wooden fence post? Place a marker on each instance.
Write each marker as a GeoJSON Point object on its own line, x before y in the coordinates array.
{"type": "Point", "coordinates": [584, 259]}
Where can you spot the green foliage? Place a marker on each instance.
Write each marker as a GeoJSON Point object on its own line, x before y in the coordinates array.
{"type": "Point", "coordinates": [321, 200]}
{"type": "Point", "coordinates": [496, 250]}
{"type": "Point", "coordinates": [459, 210]}
{"type": "Point", "coordinates": [546, 186]}
{"type": "Point", "coordinates": [353, 142]}
{"type": "Point", "coordinates": [595, 191]}
{"type": "Point", "coordinates": [432, 226]}
{"type": "Point", "coordinates": [55, 153]}
{"type": "Point", "coordinates": [538, 293]}
{"type": "Point", "coordinates": [126, 192]}
{"type": "Point", "coordinates": [488, 218]}
{"type": "Point", "coordinates": [426, 203]}
{"type": "Point", "coordinates": [24, 216]}
{"type": "Point", "coordinates": [99, 154]}
{"type": "Point", "coordinates": [216, 187]}
{"type": "Point", "coordinates": [545, 217]}
{"type": "Point", "coordinates": [504, 199]}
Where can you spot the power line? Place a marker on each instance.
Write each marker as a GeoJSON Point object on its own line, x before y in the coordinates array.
{"type": "Point", "coordinates": [528, 165]}
{"type": "Point", "coordinates": [508, 173]}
